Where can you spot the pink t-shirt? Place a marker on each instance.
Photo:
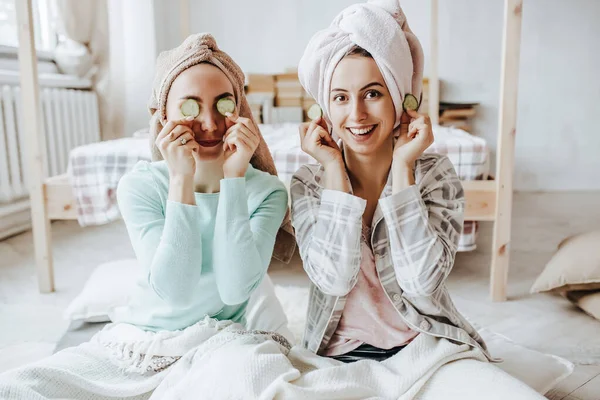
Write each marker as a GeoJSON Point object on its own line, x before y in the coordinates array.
{"type": "Point", "coordinates": [369, 316]}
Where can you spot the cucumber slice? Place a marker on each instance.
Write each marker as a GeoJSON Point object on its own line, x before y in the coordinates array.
{"type": "Point", "coordinates": [190, 108]}
{"type": "Point", "coordinates": [410, 102]}
{"type": "Point", "coordinates": [225, 106]}
{"type": "Point", "coordinates": [314, 112]}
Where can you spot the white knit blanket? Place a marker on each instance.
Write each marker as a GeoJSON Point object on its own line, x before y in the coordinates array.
{"type": "Point", "coordinates": [256, 368]}
{"type": "Point", "coordinates": [221, 360]}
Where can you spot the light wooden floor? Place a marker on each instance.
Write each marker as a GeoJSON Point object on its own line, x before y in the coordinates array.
{"type": "Point", "coordinates": [544, 322]}
{"type": "Point", "coordinates": [583, 384]}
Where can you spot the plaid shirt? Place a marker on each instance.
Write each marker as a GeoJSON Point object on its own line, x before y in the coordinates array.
{"type": "Point", "coordinates": [414, 237]}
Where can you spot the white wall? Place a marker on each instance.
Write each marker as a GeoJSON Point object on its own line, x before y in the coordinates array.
{"type": "Point", "coordinates": [269, 35]}
{"type": "Point", "coordinates": [558, 139]}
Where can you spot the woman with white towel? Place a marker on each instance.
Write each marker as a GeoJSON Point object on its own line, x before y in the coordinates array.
{"type": "Point", "coordinates": [378, 220]}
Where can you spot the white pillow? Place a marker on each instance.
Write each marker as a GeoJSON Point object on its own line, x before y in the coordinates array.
{"type": "Point", "coordinates": [264, 311]}
{"type": "Point", "coordinates": [108, 287]}
{"type": "Point", "coordinates": [540, 371]}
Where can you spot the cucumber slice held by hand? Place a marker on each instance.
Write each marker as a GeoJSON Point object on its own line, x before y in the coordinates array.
{"type": "Point", "coordinates": [190, 108]}
{"type": "Point", "coordinates": [410, 102]}
{"type": "Point", "coordinates": [226, 106]}
{"type": "Point", "coordinates": [314, 112]}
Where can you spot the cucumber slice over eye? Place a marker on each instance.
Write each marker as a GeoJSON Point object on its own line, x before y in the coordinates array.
{"type": "Point", "coordinates": [410, 102]}
{"type": "Point", "coordinates": [225, 106]}
{"type": "Point", "coordinates": [190, 108]}
{"type": "Point", "coordinates": [314, 112]}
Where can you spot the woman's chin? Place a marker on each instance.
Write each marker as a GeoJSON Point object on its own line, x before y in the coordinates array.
{"type": "Point", "coordinates": [363, 147]}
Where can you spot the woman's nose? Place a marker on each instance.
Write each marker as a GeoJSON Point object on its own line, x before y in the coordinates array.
{"type": "Point", "coordinates": [358, 111]}
{"type": "Point", "coordinates": [208, 122]}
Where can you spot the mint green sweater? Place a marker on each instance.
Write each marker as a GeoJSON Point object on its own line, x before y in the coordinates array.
{"type": "Point", "coordinates": [197, 260]}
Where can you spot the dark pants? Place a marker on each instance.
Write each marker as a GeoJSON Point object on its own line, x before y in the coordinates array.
{"type": "Point", "coordinates": [367, 352]}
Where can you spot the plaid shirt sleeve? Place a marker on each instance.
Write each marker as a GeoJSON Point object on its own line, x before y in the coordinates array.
{"type": "Point", "coordinates": [328, 225]}
{"type": "Point", "coordinates": [424, 224]}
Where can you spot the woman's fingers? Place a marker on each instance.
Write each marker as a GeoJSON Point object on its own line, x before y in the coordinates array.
{"type": "Point", "coordinates": [241, 142]}
{"type": "Point", "coordinates": [178, 131]}
{"type": "Point", "coordinates": [193, 145]}
{"type": "Point", "coordinates": [303, 131]}
{"type": "Point", "coordinates": [182, 140]}
{"type": "Point", "coordinates": [414, 114]}
{"type": "Point", "coordinates": [170, 125]}
{"type": "Point", "coordinates": [412, 132]}
{"type": "Point", "coordinates": [317, 135]}
{"type": "Point", "coordinates": [306, 130]}
{"type": "Point", "coordinates": [243, 131]}
{"type": "Point", "coordinates": [173, 130]}
{"type": "Point", "coordinates": [238, 141]}
{"type": "Point", "coordinates": [311, 128]}
{"type": "Point", "coordinates": [174, 135]}
{"type": "Point", "coordinates": [244, 135]}
{"type": "Point", "coordinates": [321, 122]}
{"type": "Point", "coordinates": [230, 120]}
{"type": "Point", "coordinates": [247, 122]}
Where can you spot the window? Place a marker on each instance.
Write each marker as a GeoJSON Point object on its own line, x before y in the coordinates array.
{"type": "Point", "coordinates": [45, 17]}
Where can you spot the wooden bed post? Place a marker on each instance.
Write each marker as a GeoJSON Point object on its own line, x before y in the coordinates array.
{"type": "Point", "coordinates": [507, 120]}
{"type": "Point", "coordinates": [434, 79]}
{"type": "Point", "coordinates": [35, 147]}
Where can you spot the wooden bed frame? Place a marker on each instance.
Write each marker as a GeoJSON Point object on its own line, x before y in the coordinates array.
{"type": "Point", "coordinates": [52, 198]}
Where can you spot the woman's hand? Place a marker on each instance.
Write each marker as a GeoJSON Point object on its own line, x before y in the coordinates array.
{"type": "Point", "coordinates": [239, 144]}
{"type": "Point", "coordinates": [316, 141]}
{"type": "Point", "coordinates": [414, 139]}
{"type": "Point", "coordinates": [177, 145]}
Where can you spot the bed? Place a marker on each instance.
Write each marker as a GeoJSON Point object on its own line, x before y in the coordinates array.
{"type": "Point", "coordinates": [487, 200]}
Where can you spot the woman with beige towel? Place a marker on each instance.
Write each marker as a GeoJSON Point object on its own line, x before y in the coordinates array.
{"type": "Point", "coordinates": [203, 219]}
{"type": "Point", "coordinates": [378, 220]}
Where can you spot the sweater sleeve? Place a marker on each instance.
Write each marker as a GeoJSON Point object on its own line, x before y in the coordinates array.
{"type": "Point", "coordinates": [243, 242]}
{"type": "Point", "coordinates": [424, 226]}
{"type": "Point", "coordinates": [166, 240]}
{"type": "Point", "coordinates": [328, 226]}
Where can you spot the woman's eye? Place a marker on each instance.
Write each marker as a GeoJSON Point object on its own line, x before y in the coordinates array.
{"type": "Point", "coordinates": [372, 94]}
{"type": "Point", "coordinates": [339, 97]}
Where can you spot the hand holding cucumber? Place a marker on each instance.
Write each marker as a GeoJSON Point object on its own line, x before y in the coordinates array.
{"type": "Point", "coordinates": [414, 139]}
{"type": "Point", "coordinates": [178, 147]}
{"type": "Point", "coordinates": [239, 144]}
{"type": "Point", "coordinates": [316, 141]}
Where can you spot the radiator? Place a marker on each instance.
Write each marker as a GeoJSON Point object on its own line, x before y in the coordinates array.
{"type": "Point", "coordinates": [70, 119]}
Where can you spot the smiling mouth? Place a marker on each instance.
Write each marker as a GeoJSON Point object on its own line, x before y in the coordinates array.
{"type": "Point", "coordinates": [209, 143]}
{"type": "Point", "coordinates": [362, 131]}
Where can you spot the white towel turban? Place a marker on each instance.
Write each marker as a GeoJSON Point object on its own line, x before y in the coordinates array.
{"type": "Point", "coordinates": [379, 27]}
